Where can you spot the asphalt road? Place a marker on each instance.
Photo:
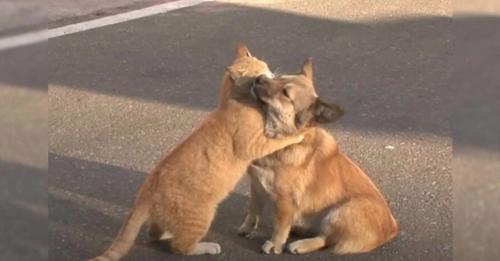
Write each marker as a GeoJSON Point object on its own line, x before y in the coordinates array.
{"type": "Point", "coordinates": [30, 15]}
{"type": "Point", "coordinates": [23, 154]}
{"type": "Point", "coordinates": [476, 132]}
{"type": "Point", "coordinates": [123, 95]}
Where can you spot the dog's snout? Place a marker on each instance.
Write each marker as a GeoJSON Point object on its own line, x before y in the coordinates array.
{"type": "Point", "coordinates": [260, 90]}
{"type": "Point", "coordinates": [261, 79]}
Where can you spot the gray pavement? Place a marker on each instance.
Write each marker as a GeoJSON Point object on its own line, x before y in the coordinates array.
{"type": "Point", "coordinates": [123, 95]}
{"type": "Point", "coordinates": [23, 154]}
{"type": "Point", "coordinates": [29, 15]}
{"type": "Point", "coordinates": [62, 12]}
{"type": "Point", "coordinates": [476, 134]}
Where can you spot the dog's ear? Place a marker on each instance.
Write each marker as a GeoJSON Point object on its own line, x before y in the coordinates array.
{"type": "Point", "coordinates": [242, 51]}
{"type": "Point", "coordinates": [307, 69]}
{"type": "Point", "coordinates": [319, 112]}
{"type": "Point", "coordinates": [324, 112]}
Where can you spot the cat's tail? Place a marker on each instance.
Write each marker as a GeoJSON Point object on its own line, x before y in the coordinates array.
{"type": "Point", "coordinates": [126, 237]}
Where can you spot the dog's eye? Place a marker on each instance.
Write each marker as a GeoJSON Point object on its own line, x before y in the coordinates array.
{"type": "Point", "coordinates": [285, 92]}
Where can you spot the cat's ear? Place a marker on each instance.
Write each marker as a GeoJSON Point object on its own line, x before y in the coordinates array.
{"type": "Point", "coordinates": [242, 51]}
{"type": "Point", "coordinates": [233, 73]}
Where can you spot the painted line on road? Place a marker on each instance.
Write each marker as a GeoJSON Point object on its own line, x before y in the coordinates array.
{"type": "Point", "coordinates": [43, 35]}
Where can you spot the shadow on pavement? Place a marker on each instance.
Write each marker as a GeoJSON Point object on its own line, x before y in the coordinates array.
{"type": "Point", "coordinates": [88, 202]}
{"type": "Point", "coordinates": [91, 199]}
{"type": "Point", "coordinates": [475, 127]}
{"type": "Point", "coordinates": [25, 66]}
{"type": "Point", "coordinates": [81, 190]}
{"type": "Point", "coordinates": [23, 212]}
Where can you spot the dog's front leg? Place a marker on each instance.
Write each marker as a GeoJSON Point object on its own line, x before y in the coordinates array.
{"type": "Point", "coordinates": [254, 211]}
{"type": "Point", "coordinates": [283, 220]}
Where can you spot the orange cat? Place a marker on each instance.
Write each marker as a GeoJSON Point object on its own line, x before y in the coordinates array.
{"type": "Point", "coordinates": [180, 196]}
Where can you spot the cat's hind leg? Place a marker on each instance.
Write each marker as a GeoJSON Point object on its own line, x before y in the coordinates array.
{"type": "Point", "coordinates": [156, 232]}
{"type": "Point", "coordinates": [188, 232]}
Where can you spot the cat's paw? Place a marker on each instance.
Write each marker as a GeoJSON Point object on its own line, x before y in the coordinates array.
{"type": "Point", "coordinates": [209, 248]}
{"type": "Point", "coordinates": [270, 248]}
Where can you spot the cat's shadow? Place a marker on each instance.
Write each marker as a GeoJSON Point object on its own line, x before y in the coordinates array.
{"type": "Point", "coordinates": [117, 187]}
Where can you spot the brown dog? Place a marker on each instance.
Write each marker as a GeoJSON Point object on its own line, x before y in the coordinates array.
{"type": "Point", "coordinates": [181, 194]}
{"type": "Point", "coordinates": [317, 191]}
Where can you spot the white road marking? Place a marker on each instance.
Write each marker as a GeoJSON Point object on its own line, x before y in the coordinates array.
{"type": "Point", "coordinates": [19, 40]}
{"type": "Point", "coordinates": [34, 37]}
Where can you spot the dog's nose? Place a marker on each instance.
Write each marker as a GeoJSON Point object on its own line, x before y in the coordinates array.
{"type": "Point", "coordinates": [261, 79]}
{"type": "Point", "coordinates": [259, 90]}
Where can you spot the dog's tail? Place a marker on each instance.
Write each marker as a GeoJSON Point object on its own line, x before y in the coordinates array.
{"type": "Point", "coordinates": [126, 237]}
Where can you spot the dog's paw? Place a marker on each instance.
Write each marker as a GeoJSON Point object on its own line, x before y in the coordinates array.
{"type": "Point", "coordinates": [270, 248]}
{"type": "Point", "coordinates": [296, 248]}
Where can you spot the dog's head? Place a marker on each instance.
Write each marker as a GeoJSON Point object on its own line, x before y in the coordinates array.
{"type": "Point", "coordinates": [292, 102]}
{"type": "Point", "coordinates": [242, 73]}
